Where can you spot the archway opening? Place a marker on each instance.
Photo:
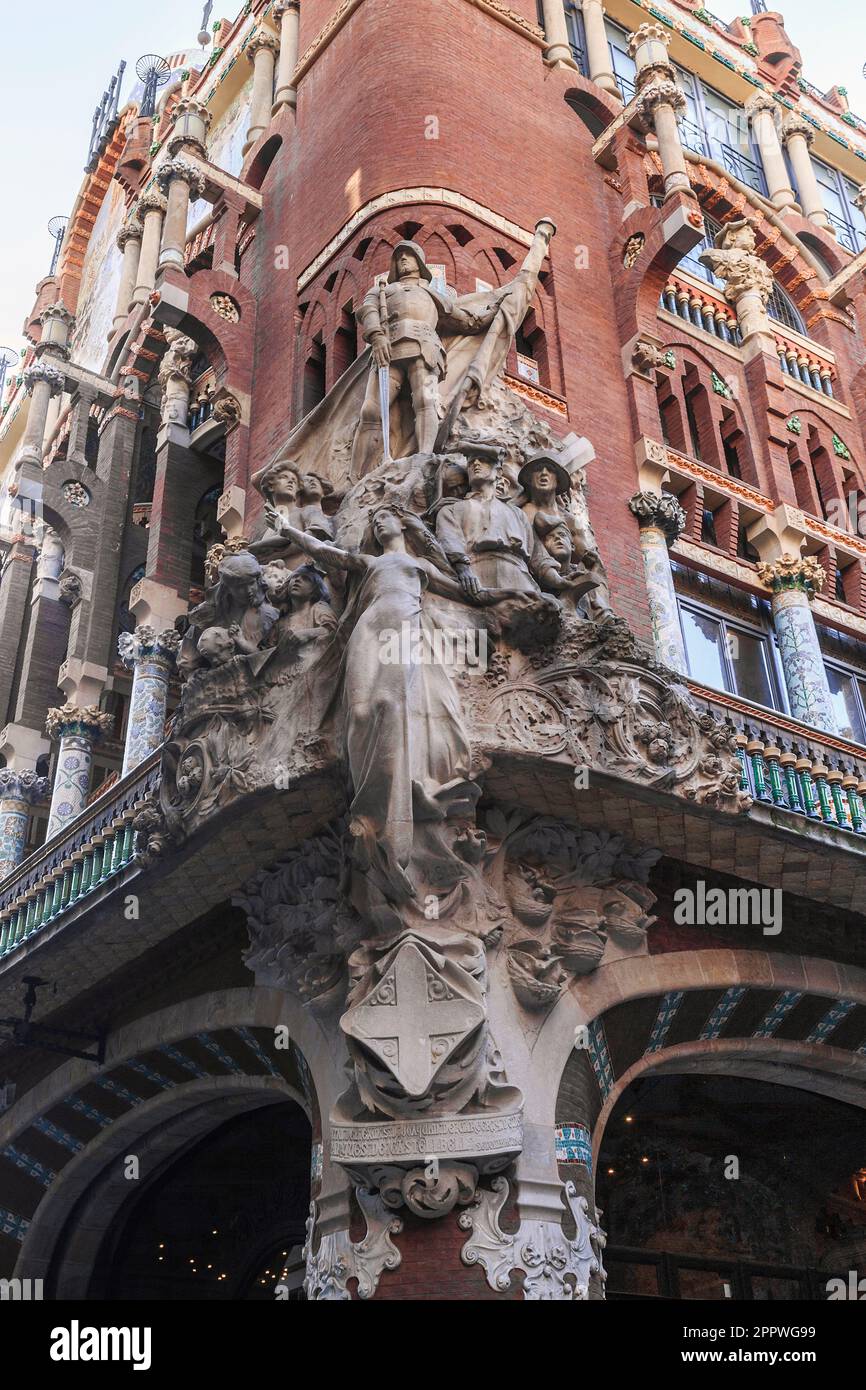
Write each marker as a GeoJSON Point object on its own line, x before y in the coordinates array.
{"type": "Point", "coordinates": [223, 1220]}
{"type": "Point", "coordinates": [717, 1187]}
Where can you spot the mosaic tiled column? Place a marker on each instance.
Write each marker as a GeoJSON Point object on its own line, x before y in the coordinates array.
{"type": "Point", "coordinates": [151, 657]}
{"type": "Point", "coordinates": [18, 792]}
{"type": "Point", "coordinates": [77, 729]}
{"type": "Point", "coordinates": [794, 581]}
{"type": "Point", "coordinates": [661, 520]}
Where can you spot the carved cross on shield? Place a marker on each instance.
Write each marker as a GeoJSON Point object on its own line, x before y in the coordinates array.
{"type": "Point", "coordinates": [418, 1014]}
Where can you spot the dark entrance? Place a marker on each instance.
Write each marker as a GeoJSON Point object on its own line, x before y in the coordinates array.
{"type": "Point", "coordinates": [726, 1188]}
{"type": "Point", "coordinates": [225, 1220]}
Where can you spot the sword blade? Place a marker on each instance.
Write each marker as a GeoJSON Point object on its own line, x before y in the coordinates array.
{"type": "Point", "coordinates": [385, 412]}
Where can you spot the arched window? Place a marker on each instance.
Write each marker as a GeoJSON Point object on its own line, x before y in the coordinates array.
{"type": "Point", "coordinates": [779, 306]}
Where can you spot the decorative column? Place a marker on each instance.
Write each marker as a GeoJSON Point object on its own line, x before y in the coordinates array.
{"type": "Point", "coordinates": [151, 207]}
{"type": "Point", "coordinates": [287, 13]}
{"type": "Point", "coordinates": [748, 282]}
{"type": "Point", "coordinates": [661, 520]}
{"type": "Point", "coordinates": [56, 323]}
{"type": "Point", "coordinates": [762, 112]}
{"type": "Point", "coordinates": [129, 241]}
{"type": "Point", "coordinates": [18, 793]}
{"type": "Point", "coordinates": [189, 132]}
{"type": "Point", "coordinates": [597, 50]}
{"type": "Point", "coordinates": [657, 101]}
{"type": "Point", "coordinates": [151, 657]}
{"type": "Point", "coordinates": [557, 52]}
{"type": "Point", "coordinates": [42, 380]}
{"type": "Point", "coordinates": [794, 581]}
{"type": "Point", "coordinates": [182, 184]}
{"type": "Point", "coordinates": [78, 729]}
{"type": "Point", "coordinates": [798, 135]}
{"type": "Point", "coordinates": [262, 53]}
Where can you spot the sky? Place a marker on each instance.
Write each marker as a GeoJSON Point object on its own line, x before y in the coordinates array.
{"type": "Point", "coordinates": [56, 59]}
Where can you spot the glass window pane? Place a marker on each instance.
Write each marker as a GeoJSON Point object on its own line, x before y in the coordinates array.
{"type": "Point", "coordinates": [703, 639]}
{"type": "Point", "coordinates": [843, 698]}
{"type": "Point", "coordinates": [750, 660]}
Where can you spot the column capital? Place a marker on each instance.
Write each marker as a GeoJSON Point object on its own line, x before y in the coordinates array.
{"type": "Point", "coordinates": [795, 123]}
{"type": "Point", "coordinates": [282, 7]}
{"type": "Point", "coordinates": [660, 510]}
{"type": "Point", "coordinates": [658, 92]}
{"type": "Point", "coordinates": [57, 312]}
{"type": "Point", "coordinates": [87, 720]}
{"type": "Point", "coordinates": [146, 644]}
{"type": "Point", "coordinates": [22, 786]}
{"type": "Point", "coordinates": [761, 101]}
{"type": "Point", "coordinates": [43, 371]}
{"type": "Point", "coordinates": [191, 123]}
{"type": "Point", "coordinates": [130, 231]}
{"type": "Point", "coordinates": [172, 169]}
{"type": "Point", "coordinates": [648, 46]}
{"type": "Point", "coordinates": [152, 200]}
{"type": "Point", "coordinates": [801, 572]}
{"type": "Point", "coordinates": [262, 40]}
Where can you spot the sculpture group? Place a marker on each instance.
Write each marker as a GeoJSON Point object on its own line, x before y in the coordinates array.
{"type": "Point", "coordinates": [421, 512]}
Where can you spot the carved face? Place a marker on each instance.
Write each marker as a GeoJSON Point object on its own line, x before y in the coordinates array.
{"type": "Point", "coordinates": [453, 481]}
{"type": "Point", "coordinates": [283, 484]}
{"type": "Point", "coordinates": [481, 469]}
{"type": "Point", "coordinates": [542, 480]}
{"type": "Point", "coordinates": [275, 577]}
{"type": "Point", "coordinates": [245, 591]}
{"type": "Point", "coordinates": [311, 486]}
{"type": "Point", "coordinates": [301, 588]}
{"type": "Point", "coordinates": [558, 544]}
{"type": "Point", "coordinates": [216, 646]}
{"type": "Point", "coordinates": [407, 264]}
{"type": "Point", "coordinates": [385, 526]}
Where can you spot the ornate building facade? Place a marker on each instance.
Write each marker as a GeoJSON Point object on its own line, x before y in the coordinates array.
{"type": "Point", "coordinates": [433, 670]}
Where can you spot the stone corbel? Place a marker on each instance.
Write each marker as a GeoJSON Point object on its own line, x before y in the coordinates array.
{"type": "Point", "coordinates": [339, 1259]}
{"type": "Point", "coordinates": [555, 1267]}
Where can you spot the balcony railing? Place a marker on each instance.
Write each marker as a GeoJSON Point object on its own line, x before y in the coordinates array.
{"type": "Point", "coordinates": [747, 170]}
{"type": "Point", "coordinates": [91, 853]}
{"type": "Point", "coordinates": [851, 238]}
{"type": "Point", "coordinates": [698, 305]}
{"type": "Point", "coordinates": [792, 767]}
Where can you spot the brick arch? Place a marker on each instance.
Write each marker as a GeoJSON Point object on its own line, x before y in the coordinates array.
{"type": "Point", "coordinates": [176, 1064]}
{"type": "Point", "coordinates": [592, 107]}
{"type": "Point", "coordinates": [702, 977]}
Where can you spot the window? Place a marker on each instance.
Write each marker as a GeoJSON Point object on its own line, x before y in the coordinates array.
{"type": "Point", "coordinates": [716, 129]}
{"type": "Point", "coordinates": [837, 195]}
{"type": "Point", "coordinates": [574, 25]}
{"type": "Point", "coordinates": [848, 698]}
{"type": "Point", "coordinates": [623, 64]}
{"type": "Point", "coordinates": [727, 656]}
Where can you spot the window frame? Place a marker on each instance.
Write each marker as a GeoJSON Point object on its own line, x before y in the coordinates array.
{"type": "Point", "coordinates": [754, 630]}
{"type": "Point", "coordinates": [857, 676]}
{"type": "Point", "coordinates": [851, 226]}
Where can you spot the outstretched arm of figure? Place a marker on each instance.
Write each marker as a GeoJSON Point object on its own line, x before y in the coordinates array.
{"type": "Point", "coordinates": [331, 556]}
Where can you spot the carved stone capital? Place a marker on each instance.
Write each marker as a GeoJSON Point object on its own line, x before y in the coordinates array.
{"type": "Point", "coordinates": [659, 509]}
{"type": "Point", "coordinates": [761, 101]}
{"type": "Point", "coordinates": [86, 720]}
{"type": "Point", "coordinates": [282, 8]}
{"type": "Point", "coordinates": [733, 260]}
{"type": "Point", "coordinates": [152, 200]}
{"type": "Point", "coordinates": [43, 371]}
{"type": "Point", "coordinates": [262, 40]}
{"type": "Point", "coordinates": [793, 572]}
{"type": "Point", "coordinates": [188, 106]}
{"type": "Point", "coordinates": [658, 93]}
{"type": "Point", "coordinates": [795, 123]}
{"type": "Point", "coordinates": [57, 311]}
{"type": "Point", "coordinates": [650, 32]}
{"type": "Point", "coordinates": [145, 644]}
{"type": "Point", "coordinates": [25, 787]}
{"type": "Point", "coordinates": [172, 169]}
{"type": "Point", "coordinates": [131, 230]}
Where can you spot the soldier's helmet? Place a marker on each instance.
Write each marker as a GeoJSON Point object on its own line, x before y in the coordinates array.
{"type": "Point", "coordinates": [417, 252]}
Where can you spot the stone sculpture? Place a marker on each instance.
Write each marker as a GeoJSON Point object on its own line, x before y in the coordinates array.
{"type": "Point", "coordinates": [331, 651]}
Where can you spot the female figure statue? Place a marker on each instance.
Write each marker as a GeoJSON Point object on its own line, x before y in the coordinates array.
{"type": "Point", "coordinates": [407, 752]}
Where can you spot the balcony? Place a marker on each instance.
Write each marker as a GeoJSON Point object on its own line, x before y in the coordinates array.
{"type": "Point", "coordinates": [789, 767]}
{"type": "Point", "coordinates": [91, 856]}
